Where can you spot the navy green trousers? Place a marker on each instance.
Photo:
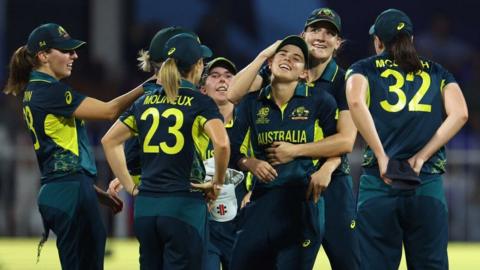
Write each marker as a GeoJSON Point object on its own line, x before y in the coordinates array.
{"type": "Point", "coordinates": [278, 229]}
{"type": "Point", "coordinates": [69, 207]}
{"type": "Point", "coordinates": [388, 218]}
{"type": "Point", "coordinates": [220, 246]}
{"type": "Point", "coordinates": [340, 240]}
{"type": "Point", "coordinates": [172, 231]}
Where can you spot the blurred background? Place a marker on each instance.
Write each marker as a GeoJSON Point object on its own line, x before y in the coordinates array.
{"type": "Point", "coordinates": [446, 32]}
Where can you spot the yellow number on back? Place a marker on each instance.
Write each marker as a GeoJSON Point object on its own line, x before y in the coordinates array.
{"type": "Point", "coordinates": [27, 113]}
{"type": "Point", "coordinates": [402, 99]}
{"type": "Point", "coordinates": [147, 148]}
{"type": "Point", "coordinates": [174, 130]}
{"type": "Point", "coordinates": [414, 105]}
{"type": "Point", "coordinates": [180, 140]}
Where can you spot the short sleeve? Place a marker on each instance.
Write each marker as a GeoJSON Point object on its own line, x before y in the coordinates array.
{"type": "Point", "coordinates": [150, 87]}
{"type": "Point", "coordinates": [61, 99]}
{"type": "Point", "coordinates": [240, 133]}
{"type": "Point", "coordinates": [128, 118]}
{"type": "Point", "coordinates": [209, 109]}
{"type": "Point", "coordinates": [446, 77]}
{"type": "Point", "coordinates": [326, 115]}
{"type": "Point", "coordinates": [340, 94]}
{"type": "Point", "coordinates": [356, 68]}
{"type": "Point", "coordinates": [266, 74]}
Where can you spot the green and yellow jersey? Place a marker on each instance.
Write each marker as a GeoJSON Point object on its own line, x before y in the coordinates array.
{"type": "Point", "coordinates": [332, 81]}
{"type": "Point", "coordinates": [309, 116]}
{"type": "Point", "coordinates": [169, 135]}
{"type": "Point", "coordinates": [407, 108]}
{"type": "Point", "coordinates": [60, 140]}
{"type": "Point", "coordinates": [240, 189]}
{"type": "Point", "coordinates": [132, 146]}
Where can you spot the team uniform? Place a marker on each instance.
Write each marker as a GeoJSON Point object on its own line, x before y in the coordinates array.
{"type": "Point", "coordinates": [67, 200]}
{"type": "Point", "coordinates": [279, 227]}
{"type": "Point", "coordinates": [170, 218]}
{"type": "Point", "coordinates": [407, 109]}
{"type": "Point", "coordinates": [339, 240]}
{"type": "Point", "coordinates": [222, 234]}
{"type": "Point", "coordinates": [132, 147]}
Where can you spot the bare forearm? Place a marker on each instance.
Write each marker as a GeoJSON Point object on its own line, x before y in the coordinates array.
{"type": "Point", "coordinates": [222, 155]}
{"type": "Point", "coordinates": [246, 163]}
{"type": "Point", "coordinates": [332, 164]}
{"type": "Point", "coordinates": [331, 146]}
{"type": "Point", "coordinates": [243, 80]}
{"type": "Point", "coordinates": [445, 132]}
{"type": "Point", "coordinates": [121, 103]}
{"type": "Point", "coordinates": [364, 122]}
{"type": "Point", "coordinates": [356, 89]}
{"type": "Point", "coordinates": [116, 159]}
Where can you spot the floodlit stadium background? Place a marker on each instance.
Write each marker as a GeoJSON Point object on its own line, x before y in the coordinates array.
{"type": "Point", "coordinates": [116, 29]}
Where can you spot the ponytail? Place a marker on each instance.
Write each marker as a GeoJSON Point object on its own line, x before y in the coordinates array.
{"type": "Point", "coordinates": [170, 78]}
{"type": "Point", "coordinates": [403, 51]}
{"type": "Point", "coordinates": [21, 64]}
{"type": "Point", "coordinates": [145, 64]}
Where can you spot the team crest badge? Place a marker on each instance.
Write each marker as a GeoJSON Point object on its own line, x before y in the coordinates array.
{"type": "Point", "coordinates": [262, 116]}
{"type": "Point", "coordinates": [62, 32]}
{"type": "Point", "coordinates": [326, 12]}
{"type": "Point", "coordinates": [300, 113]}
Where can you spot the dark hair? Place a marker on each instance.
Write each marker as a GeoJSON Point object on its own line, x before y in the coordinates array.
{"type": "Point", "coordinates": [403, 51]}
{"type": "Point", "coordinates": [21, 64]}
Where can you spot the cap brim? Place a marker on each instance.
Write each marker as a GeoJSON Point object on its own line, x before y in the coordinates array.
{"type": "Point", "coordinates": [371, 31]}
{"type": "Point", "coordinates": [323, 20]}
{"type": "Point", "coordinates": [68, 44]}
{"type": "Point", "coordinates": [206, 52]}
{"type": "Point", "coordinates": [222, 62]}
{"type": "Point", "coordinates": [296, 41]}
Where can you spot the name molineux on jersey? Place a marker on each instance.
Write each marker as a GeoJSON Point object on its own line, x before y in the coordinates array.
{"type": "Point", "coordinates": [157, 99]}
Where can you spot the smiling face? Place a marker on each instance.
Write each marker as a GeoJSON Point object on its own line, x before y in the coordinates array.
{"type": "Point", "coordinates": [322, 40]}
{"type": "Point", "coordinates": [288, 64]}
{"type": "Point", "coordinates": [217, 83]}
{"type": "Point", "coordinates": [58, 64]}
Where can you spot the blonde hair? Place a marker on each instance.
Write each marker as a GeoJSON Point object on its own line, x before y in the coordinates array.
{"type": "Point", "coordinates": [170, 77]}
{"type": "Point", "coordinates": [21, 64]}
{"type": "Point", "coordinates": [145, 64]}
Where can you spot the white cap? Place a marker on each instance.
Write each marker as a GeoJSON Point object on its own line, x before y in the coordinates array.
{"type": "Point", "coordinates": [231, 176]}
{"type": "Point", "coordinates": [224, 208]}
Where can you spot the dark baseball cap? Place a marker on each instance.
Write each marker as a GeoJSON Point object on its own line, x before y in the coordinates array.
{"type": "Point", "coordinates": [402, 175]}
{"type": "Point", "coordinates": [221, 62]}
{"type": "Point", "coordinates": [158, 41]}
{"type": "Point", "coordinates": [389, 23]}
{"type": "Point", "coordinates": [51, 35]}
{"type": "Point", "coordinates": [186, 49]}
{"type": "Point", "coordinates": [325, 15]}
{"type": "Point", "coordinates": [296, 41]}
{"type": "Point", "coordinates": [217, 62]}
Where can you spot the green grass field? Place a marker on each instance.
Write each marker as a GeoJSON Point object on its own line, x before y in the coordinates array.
{"type": "Point", "coordinates": [20, 254]}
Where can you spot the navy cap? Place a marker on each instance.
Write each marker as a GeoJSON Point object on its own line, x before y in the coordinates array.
{"type": "Point", "coordinates": [186, 49]}
{"type": "Point", "coordinates": [389, 23]}
{"type": "Point", "coordinates": [51, 35]}
{"type": "Point", "coordinates": [325, 15]}
{"type": "Point", "coordinates": [217, 62]}
{"type": "Point", "coordinates": [158, 41]}
{"type": "Point", "coordinates": [296, 41]}
{"type": "Point", "coordinates": [402, 175]}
